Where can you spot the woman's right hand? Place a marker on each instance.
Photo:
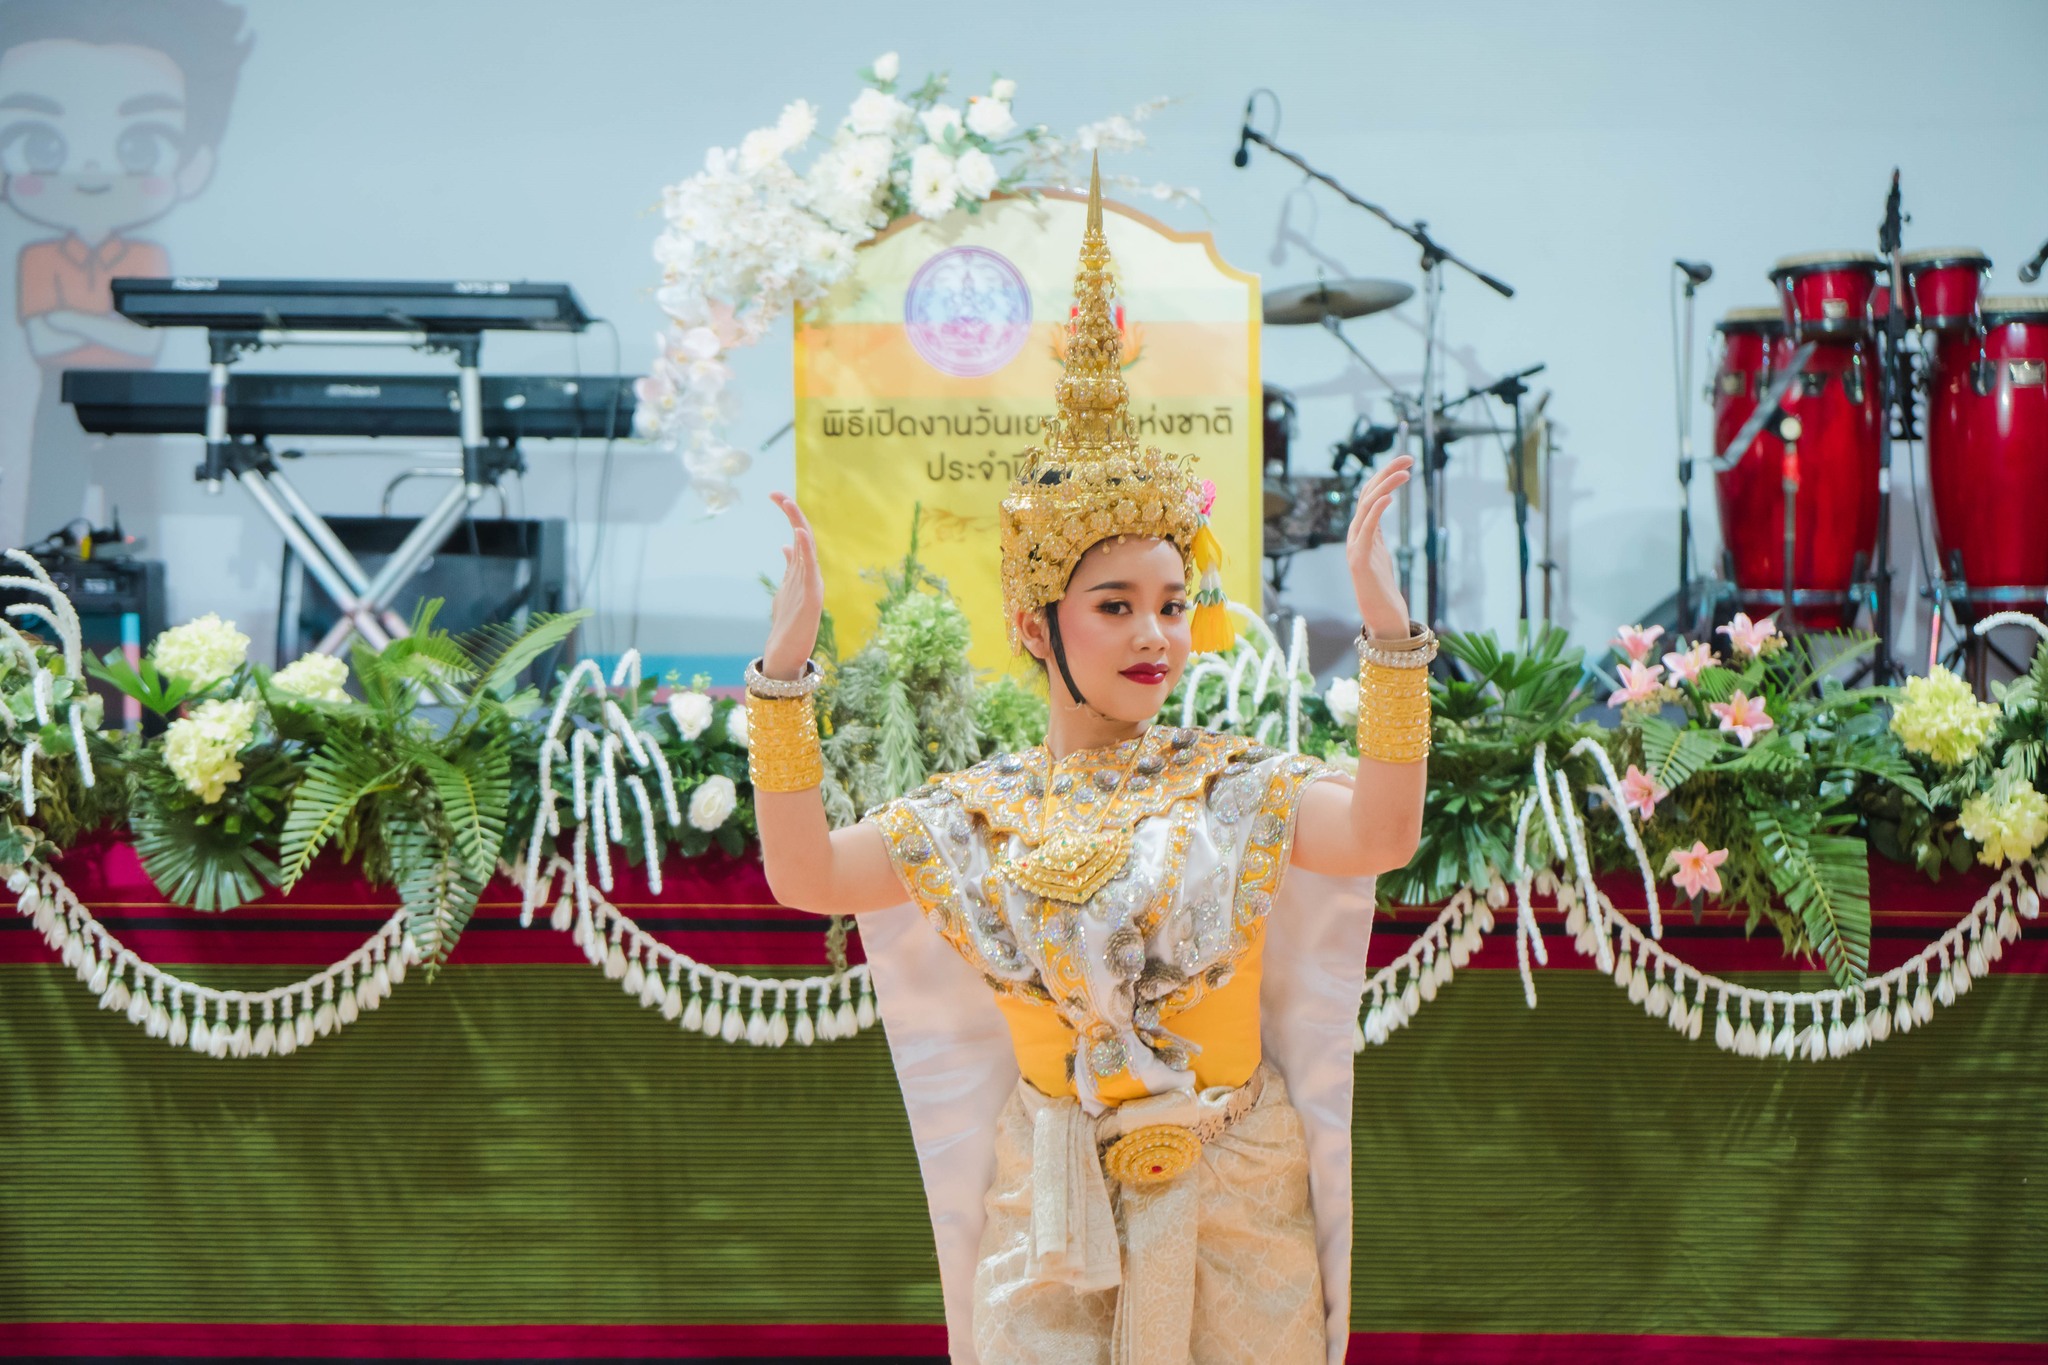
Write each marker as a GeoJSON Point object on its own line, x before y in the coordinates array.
{"type": "Point", "coordinates": [799, 602]}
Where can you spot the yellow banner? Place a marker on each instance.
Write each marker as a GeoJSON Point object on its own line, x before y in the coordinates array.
{"type": "Point", "coordinates": [922, 377]}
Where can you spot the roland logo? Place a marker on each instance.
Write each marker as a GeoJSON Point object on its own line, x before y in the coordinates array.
{"type": "Point", "coordinates": [195, 283]}
{"type": "Point", "coordinates": [355, 390]}
{"type": "Point", "coordinates": [482, 287]}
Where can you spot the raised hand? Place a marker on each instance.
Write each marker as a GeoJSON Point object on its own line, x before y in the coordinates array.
{"type": "Point", "coordinates": [799, 602]}
{"type": "Point", "coordinates": [1373, 576]}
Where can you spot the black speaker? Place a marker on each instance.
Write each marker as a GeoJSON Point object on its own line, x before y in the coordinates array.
{"type": "Point", "coordinates": [119, 601]}
{"type": "Point", "coordinates": [487, 570]}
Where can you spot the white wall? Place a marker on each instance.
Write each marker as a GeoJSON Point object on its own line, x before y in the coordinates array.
{"type": "Point", "coordinates": [1571, 148]}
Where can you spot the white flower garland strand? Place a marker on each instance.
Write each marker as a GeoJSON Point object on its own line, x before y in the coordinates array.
{"type": "Point", "coordinates": [1660, 981]}
{"type": "Point", "coordinates": [56, 610]}
{"type": "Point", "coordinates": [766, 1012]}
{"type": "Point", "coordinates": [168, 1007]}
{"type": "Point", "coordinates": [1263, 660]}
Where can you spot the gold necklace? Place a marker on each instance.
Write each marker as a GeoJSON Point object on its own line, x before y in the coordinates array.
{"type": "Point", "coordinates": [1070, 865]}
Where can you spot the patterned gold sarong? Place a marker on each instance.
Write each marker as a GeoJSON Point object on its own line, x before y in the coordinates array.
{"type": "Point", "coordinates": [1216, 1267]}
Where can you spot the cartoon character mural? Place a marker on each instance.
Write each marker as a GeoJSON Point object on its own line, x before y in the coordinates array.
{"type": "Point", "coordinates": [111, 115]}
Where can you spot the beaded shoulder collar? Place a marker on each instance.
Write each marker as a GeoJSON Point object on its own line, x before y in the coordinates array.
{"type": "Point", "coordinates": [1031, 795]}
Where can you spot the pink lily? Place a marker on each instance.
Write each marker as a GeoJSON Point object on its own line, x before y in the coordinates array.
{"type": "Point", "coordinates": [1696, 868]}
{"type": "Point", "coordinates": [1639, 682]}
{"type": "Point", "coordinates": [1749, 637]}
{"type": "Point", "coordinates": [1635, 641]}
{"type": "Point", "coordinates": [1743, 716]}
{"type": "Point", "coordinates": [1640, 792]}
{"type": "Point", "coordinates": [1689, 665]}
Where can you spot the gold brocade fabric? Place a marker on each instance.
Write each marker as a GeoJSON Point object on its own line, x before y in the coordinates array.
{"type": "Point", "coordinates": [1218, 1267]}
{"type": "Point", "coordinates": [1114, 900]}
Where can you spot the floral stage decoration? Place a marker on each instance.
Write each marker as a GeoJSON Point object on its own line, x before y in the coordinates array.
{"type": "Point", "coordinates": [1740, 770]}
{"type": "Point", "coordinates": [751, 237]}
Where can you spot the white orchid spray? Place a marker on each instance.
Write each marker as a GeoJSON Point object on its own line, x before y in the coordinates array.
{"type": "Point", "coordinates": [751, 237]}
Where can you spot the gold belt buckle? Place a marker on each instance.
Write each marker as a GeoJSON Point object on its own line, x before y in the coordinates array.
{"type": "Point", "coordinates": [1152, 1155]}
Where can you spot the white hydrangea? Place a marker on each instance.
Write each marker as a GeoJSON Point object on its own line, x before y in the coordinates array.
{"type": "Point", "coordinates": [1342, 699]}
{"type": "Point", "coordinates": [886, 66]}
{"type": "Point", "coordinates": [713, 801]}
{"type": "Point", "coordinates": [736, 726]}
{"type": "Point", "coordinates": [691, 711]}
{"type": "Point", "coordinates": [201, 749]}
{"type": "Point", "coordinates": [201, 651]}
{"type": "Point", "coordinates": [316, 677]}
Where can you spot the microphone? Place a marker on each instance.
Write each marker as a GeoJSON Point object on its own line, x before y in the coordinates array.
{"type": "Point", "coordinates": [1699, 272]}
{"type": "Point", "coordinates": [2031, 271]}
{"type": "Point", "coordinates": [1244, 137]}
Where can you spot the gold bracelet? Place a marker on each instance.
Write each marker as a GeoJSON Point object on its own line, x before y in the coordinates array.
{"type": "Point", "coordinates": [1393, 713]}
{"type": "Point", "coordinates": [783, 752]}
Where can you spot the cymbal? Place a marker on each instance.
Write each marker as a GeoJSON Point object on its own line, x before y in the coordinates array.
{"type": "Point", "coordinates": [1351, 298]}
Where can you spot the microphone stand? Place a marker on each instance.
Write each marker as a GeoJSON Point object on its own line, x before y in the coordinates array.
{"type": "Point", "coordinates": [1895, 391]}
{"type": "Point", "coordinates": [1434, 257]}
{"type": "Point", "coordinates": [1685, 619]}
{"type": "Point", "coordinates": [1510, 390]}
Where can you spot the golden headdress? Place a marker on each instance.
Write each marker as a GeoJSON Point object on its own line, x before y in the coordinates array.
{"type": "Point", "coordinates": [1091, 480]}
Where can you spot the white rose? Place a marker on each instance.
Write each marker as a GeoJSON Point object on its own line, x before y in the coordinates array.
{"type": "Point", "coordinates": [760, 149]}
{"type": "Point", "coordinates": [691, 711]}
{"type": "Point", "coordinates": [201, 651]}
{"type": "Point", "coordinates": [799, 120]}
{"type": "Point", "coordinates": [1342, 699]}
{"type": "Point", "coordinates": [990, 118]}
{"type": "Point", "coordinates": [736, 726]}
{"type": "Point", "coordinates": [976, 173]}
{"type": "Point", "coordinates": [876, 114]}
{"type": "Point", "coordinates": [939, 120]}
{"type": "Point", "coordinates": [934, 185]}
{"type": "Point", "coordinates": [886, 66]}
{"type": "Point", "coordinates": [1004, 90]}
{"type": "Point", "coordinates": [316, 677]}
{"type": "Point", "coordinates": [713, 802]}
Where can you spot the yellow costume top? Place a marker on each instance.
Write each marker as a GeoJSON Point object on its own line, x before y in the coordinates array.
{"type": "Point", "coordinates": [1114, 900]}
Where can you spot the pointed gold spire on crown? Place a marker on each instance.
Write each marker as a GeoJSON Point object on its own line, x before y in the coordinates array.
{"type": "Point", "coordinates": [1091, 480]}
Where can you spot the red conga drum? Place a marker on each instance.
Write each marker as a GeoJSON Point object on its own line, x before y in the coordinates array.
{"type": "Point", "coordinates": [1987, 453]}
{"type": "Point", "coordinates": [1827, 294]}
{"type": "Point", "coordinates": [1835, 518]}
{"type": "Point", "coordinates": [1943, 284]}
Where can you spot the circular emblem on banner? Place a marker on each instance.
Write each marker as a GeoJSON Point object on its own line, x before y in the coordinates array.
{"type": "Point", "coordinates": [967, 312]}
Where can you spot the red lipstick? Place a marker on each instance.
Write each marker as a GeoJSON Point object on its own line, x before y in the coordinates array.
{"type": "Point", "coordinates": [1149, 675]}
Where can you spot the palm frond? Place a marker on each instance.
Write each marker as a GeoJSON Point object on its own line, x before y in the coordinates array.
{"type": "Point", "coordinates": [438, 898]}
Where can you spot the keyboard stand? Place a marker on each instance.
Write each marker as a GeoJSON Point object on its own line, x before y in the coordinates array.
{"type": "Point", "coordinates": [364, 599]}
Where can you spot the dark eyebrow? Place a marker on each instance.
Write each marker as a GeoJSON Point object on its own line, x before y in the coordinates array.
{"type": "Point", "coordinates": [37, 104]}
{"type": "Point", "coordinates": [1118, 585]}
{"type": "Point", "coordinates": [149, 104]}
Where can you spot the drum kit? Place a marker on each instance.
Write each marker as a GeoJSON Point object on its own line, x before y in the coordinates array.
{"type": "Point", "coordinates": [1306, 510]}
{"type": "Point", "coordinates": [1803, 413]}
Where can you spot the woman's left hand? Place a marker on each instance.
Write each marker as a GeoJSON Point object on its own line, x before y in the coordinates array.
{"type": "Point", "coordinates": [1373, 576]}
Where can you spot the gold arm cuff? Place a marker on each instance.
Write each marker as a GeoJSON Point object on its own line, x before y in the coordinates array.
{"type": "Point", "coordinates": [783, 751]}
{"type": "Point", "coordinates": [1393, 713]}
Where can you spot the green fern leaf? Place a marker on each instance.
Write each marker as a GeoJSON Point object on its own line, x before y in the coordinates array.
{"type": "Point", "coordinates": [338, 777]}
{"type": "Point", "coordinates": [1673, 754]}
{"type": "Point", "coordinates": [438, 898]}
{"type": "Point", "coordinates": [473, 790]}
{"type": "Point", "coordinates": [1824, 879]}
